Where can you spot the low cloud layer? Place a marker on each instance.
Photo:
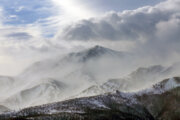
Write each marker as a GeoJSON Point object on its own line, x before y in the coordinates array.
{"type": "Point", "coordinates": [20, 36]}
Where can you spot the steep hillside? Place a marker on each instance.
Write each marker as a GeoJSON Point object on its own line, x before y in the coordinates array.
{"type": "Point", "coordinates": [161, 101]}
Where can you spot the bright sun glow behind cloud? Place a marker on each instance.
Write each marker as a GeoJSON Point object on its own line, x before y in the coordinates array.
{"type": "Point", "coordinates": [73, 10]}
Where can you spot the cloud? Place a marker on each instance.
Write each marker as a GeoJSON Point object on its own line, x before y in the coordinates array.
{"type": "Point", "coordinates": [147, 31]}
{"type": "Point", "coordinates": [74, 9]}
{"type": "Point", "coordinates": [21, 45]}
{"type": "Point", "coordinates": [26, 29]}
{"type": "Point", "coordinates": [19, 36]}
{"type": "Point", "coordinates": [151, 33]}
{"type": "Point", "coordinates": [37, 13]}
{"type": "Point", "coordinates": [1, 16]}
{"type": "Point", "coordinates": [139, 24]}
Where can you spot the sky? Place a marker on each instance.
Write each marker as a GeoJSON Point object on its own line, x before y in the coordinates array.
{"type": "Point", "coordinates": [34, 29]}
{"type": "Point", "coordinates": [53, 12]}
{"type": "Point", "coordinates": [26, 12]}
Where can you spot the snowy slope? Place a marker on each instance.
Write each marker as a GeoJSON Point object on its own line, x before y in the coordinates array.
{"type": "Point", "coordinates": [146, 104]}
{"type": "Point", "coordinates": [79, 74]}
{"type": "Point", "coordinates": [48, 91]}
{"type": "Point", "coordinates": [138, 79]}
{"type": "Point", "coordinates": [5, 83]}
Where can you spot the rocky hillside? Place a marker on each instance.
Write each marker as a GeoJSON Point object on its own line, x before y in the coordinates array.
{"type": "Point", "coordinates": [161, 102]}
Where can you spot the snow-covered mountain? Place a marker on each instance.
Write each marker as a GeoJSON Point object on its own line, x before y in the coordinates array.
{"type": "Point", "coordinates": [47, 91]}
{"type": "Point", "coordinates": [160, 101]}
{"type": "Point", "coordinates": [58, 78]}
{"type": "Point", "coordinates": [136, 80]}
{"type": "Point", "coordinates": [83, 61]}
{"type": "Point", "coordinates": [90, 72]}
{"type": "Point", "coordinates": [95, 53]}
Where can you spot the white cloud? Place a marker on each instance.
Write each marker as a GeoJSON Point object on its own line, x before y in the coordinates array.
{"type": "Point", "coordinates": [21, 45]}
{"type": "Point", "coordinates": [151, 32]}
{"type": "Point", "coordinates": [148, 30]}
{"type": "Point", "coordinates": [128, 25]}
{"type": "Point", "coordinates": [20, 8]}
{"type": "Point", "coordinates": [1, 16]}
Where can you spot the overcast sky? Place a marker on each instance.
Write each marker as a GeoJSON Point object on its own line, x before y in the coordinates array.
{"type": "Point", "coordinates": [40, 28]}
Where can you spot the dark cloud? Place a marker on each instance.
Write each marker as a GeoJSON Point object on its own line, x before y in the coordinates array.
{"type": "Point", "coordinates": [20, 36]}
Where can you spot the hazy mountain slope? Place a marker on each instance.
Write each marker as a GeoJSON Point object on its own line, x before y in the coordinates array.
{"type": "Point", "coordinates": [69, 63]}
{"type": "Point", "coordinates": [77, 74]}
{"type": "Point", "coordinates": [6, 85]}
{"type": "Point", "coordinates": [92, 65]}
{"type": "Point", "coordinates": [161, 101]}
{"type": "Point", "coordinates": [138, 79]}
{"type": "Point", "coordinates": [39, 83]}
{"type": "Point", "coordinates": [3, 109]}
{"type": "Point", "coordinates": [5, 81]}
{"type": "Point", "coordinates": [46, 92]}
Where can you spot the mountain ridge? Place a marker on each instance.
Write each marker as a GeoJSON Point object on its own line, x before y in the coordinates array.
{"type": "Point", "coordinates": [96, 51]}
{"type": "Point", "coordinates": [139, 105]}
{"type": "Point", "coordinates": [68, 79]}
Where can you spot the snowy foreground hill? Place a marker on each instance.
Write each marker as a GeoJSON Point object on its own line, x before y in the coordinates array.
{"type": "Point", "coordinates": [160, 102]}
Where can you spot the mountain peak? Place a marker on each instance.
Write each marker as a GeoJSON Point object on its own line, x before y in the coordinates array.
{"type": "Point", "coordinates": [97, 47]}
{"type": "Point", "coordinates": [96, 52]}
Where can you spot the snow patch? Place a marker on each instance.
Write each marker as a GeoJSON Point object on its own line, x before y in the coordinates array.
{"type": "Point", "coordinates": [171, 84]}
{"type": "Point", "coordinates": [98, 104]}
